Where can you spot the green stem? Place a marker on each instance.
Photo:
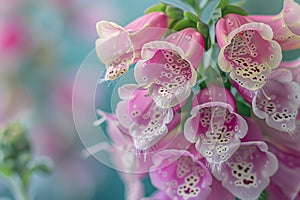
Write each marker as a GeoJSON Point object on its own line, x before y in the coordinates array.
{"type": "Point", "coordinates": [19, 192]}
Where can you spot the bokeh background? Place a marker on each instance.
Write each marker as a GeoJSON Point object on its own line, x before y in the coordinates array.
{"type": "Point", "coordinates": [42, 45]}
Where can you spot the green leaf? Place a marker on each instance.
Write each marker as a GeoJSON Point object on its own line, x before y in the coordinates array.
{"type": "Point", "coordinates": [263, 196]}
{"type": "Point", "coordinates": [223, 4]}
{"type": "Point", "coordinates": [232, 9]}
{"type": "Point", "coordinates": [173, 12]}
{"type": "Point", "coordinates": [41, 167]}
{"type": "Point", "coordinates": [5, 171]}
{"type": "Point", "coordinates": [191, 16]}
{"type": "Point", "coordinates": [156, 8]}
{"type": "Point", "coordinates": [243, 108]}
{"type": "Point", "coordinates": [204, 30]}
{"type": "Point", "coordinates": [184, 23]}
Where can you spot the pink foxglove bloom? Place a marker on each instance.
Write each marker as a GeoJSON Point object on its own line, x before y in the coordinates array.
{"type": "Point", "coordinates": [180, 175]}
{"type": "Point", "coordinates": [248, 52]}
{"type": "Point", "coordinates": [285, 25]}
{"type": "Point", "coordinates": [168, 68]}
{"type": "Point", "coordinates": [278, 101]}
{"type": "Point", "coordinates": [119, 47]}
{"type": "Point", "coordinates": [287, 177]}
{"type": "Point", "coordinates": [248, 171]}
{"type": "Point", "coordinates": [214, 127]}
{"type": "Point", "coordinates": [146, 121]}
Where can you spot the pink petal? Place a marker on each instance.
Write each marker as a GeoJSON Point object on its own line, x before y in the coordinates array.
{"type": "Point", "coordinates": [214, 93]}
{"type": "Point", "coordinates": [180, 176]}
{"type": "Point", "coordinates": [192, 44]}
{"type": "Point", "coordinates": [287, 177]}
{"type": "Point", "coordinates": [144, 119]}
{"type": "Point", "coordinates": [119, 47]}
{"type": "Point", "coordinates": [247, 94]}
{"type": "Point", "coordinates": [167, 74]}
{"type": "Point", "coordinates": [250, 55]}
{"type": "Point", "coordinates": [285, 25]}
{"type": "Point", "coordinates": [294, 67]}
{"type": "Point", "coordinates": [247, 173]}
{"type": "Point", "coordinates": [216, 130]}
{"type": "Point", "coordinates": [218, 191]}
{"type": "Point", "coordinates": [278, 101]}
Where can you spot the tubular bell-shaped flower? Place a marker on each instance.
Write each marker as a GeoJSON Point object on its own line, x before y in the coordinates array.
{"type": "Point", "coordinates": [248, 171]}
{"type": "Point", "coordinates": [119, 47]}
{"type": "Point", "coordinates": [214, 126]}
{"type": "Point", "coordinates": [248, 52]}
{"type": "Point", "coordinates": [146, 122]}
{"type": "Point", "coordinates": [167, 68]}
{"type": "Point", "coordinates": [278, 101]}
{"type": "Point", "coordinates": [285, 25]}
{"type": "Point", "coordinates": [180, 175]}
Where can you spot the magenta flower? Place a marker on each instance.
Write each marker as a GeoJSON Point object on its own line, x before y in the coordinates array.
{"type": "Point", "coordinates": [287, 177]}
{"type": "Point", "coordinates": [214, 127]}
{"type": "Point", "coordinates": [119, 47]}
{"type": "Point", "coordinates": [248, 171]}
{"type": "Point", "coordinates": [167, 67]}
{"type": "Point", "coordinates": [248, 52]}
{"type": "Point", "coordinates": [285, 25]}
{"type": "Point", "coordinates": [278, 101]}
{"type": "Point", "coordinates": [180, 176]}
{"type": "Point", "coordinates": [146, 121]}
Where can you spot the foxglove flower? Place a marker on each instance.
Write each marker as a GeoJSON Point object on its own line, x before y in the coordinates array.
{"type": "Point", "coordinates": [248, 171]}
{"type": "Point", "coordinates": [180, 176]}
{"type": "Point", "coordinates": [285, 25]}
{"type": "Point", "coordinates": [214, 126]}
{"type": "Point", "coordinates": [287, 177]}
{"type": "Point", "coordinates": [119, 47]}
{"type": "Point", "coordinates": [146, 122]}
{"type": "Point", "coordinates": [167, 67]}
{"type": "Point", "coordinates": [278, 101]}
{"type": "Point", "coordinates": [248, 52]}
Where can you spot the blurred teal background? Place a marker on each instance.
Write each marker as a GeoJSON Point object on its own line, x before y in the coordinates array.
{"type": "Point", "coordinates": [42, 45]}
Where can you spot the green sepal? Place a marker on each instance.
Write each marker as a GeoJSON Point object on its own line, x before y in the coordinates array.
{"type": "Point", "coordinates": [243, 108]}
{"type": "Point", "coordinates": [223, 3]}
{"type": "Point", "coordinates": [232, 9]}
{"type": "Point", "coordinates": [191, 16]}
{"type": "Point", "coordinates": [204, 30]}
{"type": "Point", "coordinates": [5, 171]}
{"type": "Point", "coordinates": [156, 8]}
{"type": "Point", "coordinates": [263, 196]}
{"type": "Point", "coordinates": [173, 12]}
{"type": "Point", "coordinates": [184, 23]}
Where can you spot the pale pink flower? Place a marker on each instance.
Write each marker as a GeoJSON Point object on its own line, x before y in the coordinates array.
{"type": "Point", "coordinates": [180, 175]}
{"type": "Point", "coordinates": [168, 68]}
{"type": "Point", "coordinates": [248, 52]}
{"type": "Point", "coordinates": [146, 121]}
{"type": "Point", "coordinates": [119, 47]}
{"type": "Point", "coordinates": [285, 25]}
{"type": "Point", "coordinates": [248, 171]}
{"type": "Point", "coordinates": [278, 101]}
{"type": "Point", "coordinates": [214, 126]}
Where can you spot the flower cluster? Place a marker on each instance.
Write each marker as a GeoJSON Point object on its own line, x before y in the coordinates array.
{"type": "Point", "coordinates": [202, 129]}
